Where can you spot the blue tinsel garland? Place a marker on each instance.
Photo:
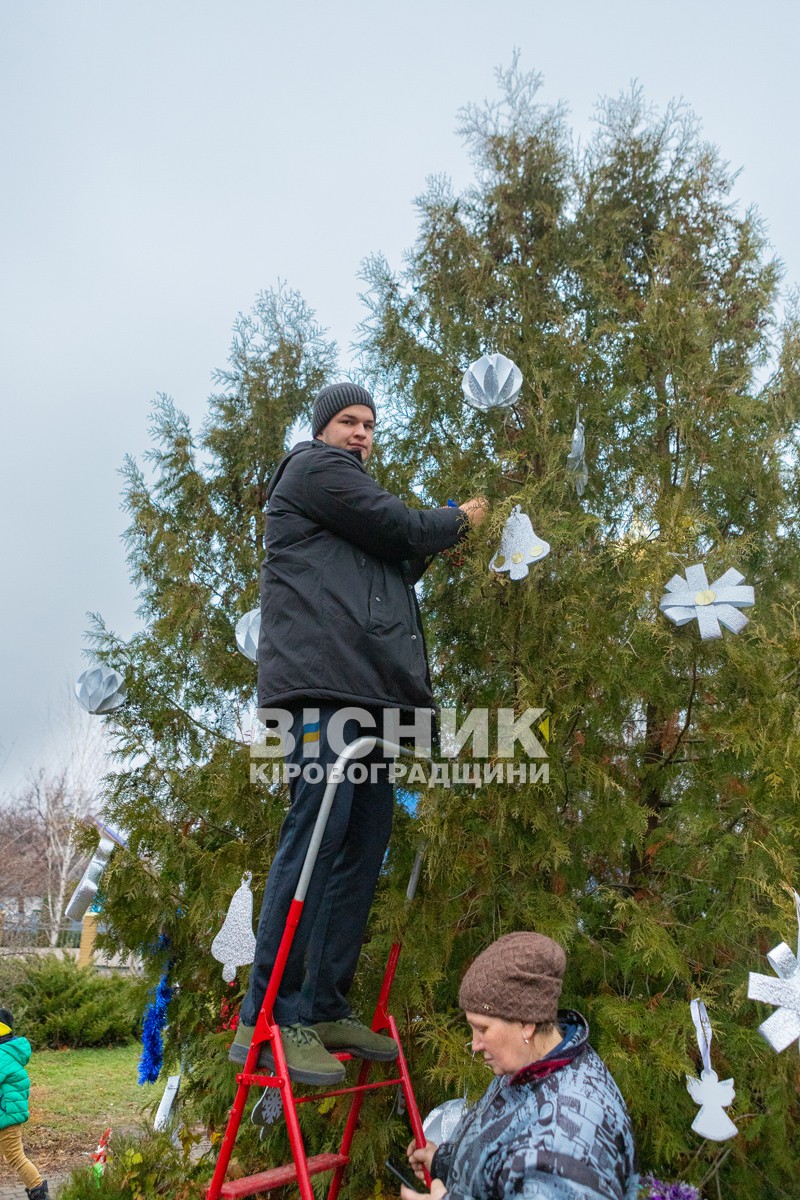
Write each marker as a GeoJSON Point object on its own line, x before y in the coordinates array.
{"type": "Point", "coordinates": [155, 1018]}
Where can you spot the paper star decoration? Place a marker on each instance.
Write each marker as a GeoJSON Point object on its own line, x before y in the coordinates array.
{"type": "Point", "coordinates": [713, 1097]}
{"type": "Point", "coordinates": [712, 606]}
{"type": "Point", "coordinates": [576, 462]}
{"type": "Point", "coordinates": [247, 630]}
{"type": "Point", "coordinates": [493, 381]}
{"type": "Point", "coordinates": [519, 546]}
{"type": "Point", "coordinates": [783, 1027]}
{"type": "Point", "coordinates": [235, 946]}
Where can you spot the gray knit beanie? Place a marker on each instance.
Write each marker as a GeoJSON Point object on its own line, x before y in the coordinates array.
{"type": "Point", "coordinates": [333, 398]}
{"type": "Point", "coordinates": [518, 978]}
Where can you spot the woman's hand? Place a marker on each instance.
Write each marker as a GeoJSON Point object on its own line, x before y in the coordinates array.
{"type": "Point", "coordinates": [420, 1159]}
{"type": "Point", "coordinates": [437, 1191]}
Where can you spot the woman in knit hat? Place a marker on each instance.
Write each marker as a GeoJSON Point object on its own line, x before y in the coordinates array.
{"type": "Point", "coordinates": [552, 1124]}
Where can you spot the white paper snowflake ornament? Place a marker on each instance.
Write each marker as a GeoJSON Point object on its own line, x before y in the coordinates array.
{"type": "Point", "coordinates": [101, 690]}
{"type": "Point", "coordinates": [267, 1108]}
{"type": "Point", "coordinates": [783, 1027]}
{"type": "Point", "coordinates": [712, 1095]}
{"type": "Point", "coordinates": [576, 461]}
{"type": "Point", "coordinates": [519, 546]}
{"type": "Point", "coordinates": [235, 945]}
{"type": "Point", "coordinates": [247, 630]}
{"type": "Point", "coordinates": [440, 1123]}
{"type": "Point", "coordinates": [493, 381]}
{"type": "Point", "coordinates": [711, 605]}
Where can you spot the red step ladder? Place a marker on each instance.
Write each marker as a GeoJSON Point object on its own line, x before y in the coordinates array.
{"type": "Point", "coordinates": [267, 1032]}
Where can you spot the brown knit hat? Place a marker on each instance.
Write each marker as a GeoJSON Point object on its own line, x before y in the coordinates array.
{"type": "Point", "coordinates": [518, 978]}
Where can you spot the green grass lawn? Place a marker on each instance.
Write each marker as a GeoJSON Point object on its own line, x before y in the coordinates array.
{"type": "Point", "coordinates": [78, 1093]}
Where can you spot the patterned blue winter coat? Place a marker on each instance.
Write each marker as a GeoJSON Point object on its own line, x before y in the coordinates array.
{"type": "Point", "coordinates": [557, 1130]}
{"type": "Point", "coordinates": [15, 1085]}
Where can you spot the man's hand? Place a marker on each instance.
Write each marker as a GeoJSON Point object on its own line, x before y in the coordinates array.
{"type": "Point", "coordinates": [420, 1159]}
{"type": "Point", "coordinates": [475, 510]}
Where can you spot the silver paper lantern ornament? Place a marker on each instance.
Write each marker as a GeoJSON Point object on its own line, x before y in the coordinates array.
{"type": "Point", "coordinates": [783, 1026]}
{"type": "Point", "coordinates": [440, 1123]}
{"type": "Point", "coordinates": [576, 460]}
{"type": "Point", "coordinates": [101, 690]}
{"type": "Point", "coordinates": [712, 1095]}
{"type": "Point", "coordinates": [247, 630]}
{"type": "Point", "coordinates": [711, 605]}
{"type": "Point", "coordinates": [492, 381]}
{"type": "Point", "coordinates": [519, 546]}
{"type": "Point", "coordinates": [235, 945]}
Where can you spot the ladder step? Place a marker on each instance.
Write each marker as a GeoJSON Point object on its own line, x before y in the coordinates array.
{"type": "Point", "coordinates": [265, 1181]}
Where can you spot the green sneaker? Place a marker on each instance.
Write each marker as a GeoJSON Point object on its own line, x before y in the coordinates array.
{"type": "Point", "coordinates": [348, 1035]}
{"type": "Point", "coordinates": [307, 1059]}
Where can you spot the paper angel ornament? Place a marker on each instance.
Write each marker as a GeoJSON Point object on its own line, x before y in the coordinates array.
{"type": "Point", "coordinates": [235, 944]}
{"type": "Point", "coordinates": [441, 1121]}
{"type": "Point", "coordinates": [712, 1095]}
{"type": "Point", "coordinates": [493, 381]}
{"type": "Point", "coordinates": [101, 690]}
{"type": "Point", "coordinates": [576, 461]}
{"type": "Point", "coordinates": [519, 546]}
{"type": "Point", "coordinates": [247, 629]}
{"type": "Point", "coordinates": [711, 605]}
{"type": "Point", "coordinates": [783, 1027]}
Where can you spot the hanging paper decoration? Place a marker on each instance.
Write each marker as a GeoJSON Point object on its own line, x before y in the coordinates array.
{"type": "Point", "coordinates": [493, 381]}
{"type": "Point", "coordinates": [519, 546]}
{"type": "Point", "coordinates": [267, 1108]}
{"type": "Point", "coordinates": [440, 1123]}
{"type": "Point", "coordinates": [101, 690]}
{"type": "Point", "coordinates": [85, 893]}
{"type": "Point", "coordinates": [719, 603]}
{"type": "Point", "coordinates": [247, 629]}
{"type": "Point", "coordinates": [712, 1095]}
{"type": "Point", "coordinates": [576, 462]}
{"type": "Point", "coordinates": [155, 1018]}
{"type": "Point", "coordinates": [783, 1027]}
{"type": "Point", "coordinates": [235, 944]}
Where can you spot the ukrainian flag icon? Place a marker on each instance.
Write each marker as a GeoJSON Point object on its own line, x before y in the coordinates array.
{"type": "Point", "coordinates": [311, 739]}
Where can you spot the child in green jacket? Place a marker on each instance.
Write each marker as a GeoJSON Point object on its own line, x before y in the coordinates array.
{"type": "Point", "coordinates": [14, 1088]}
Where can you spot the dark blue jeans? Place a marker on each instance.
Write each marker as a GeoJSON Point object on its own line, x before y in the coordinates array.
{"type": "Point", "coordinates": [322, 961]}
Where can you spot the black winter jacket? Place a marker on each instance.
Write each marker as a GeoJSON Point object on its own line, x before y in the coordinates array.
{"type": "Point", "coordinates": [339, 615]}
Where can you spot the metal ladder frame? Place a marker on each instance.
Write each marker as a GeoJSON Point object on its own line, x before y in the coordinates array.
{"type": "Point", "coordinates": [266, 1031]}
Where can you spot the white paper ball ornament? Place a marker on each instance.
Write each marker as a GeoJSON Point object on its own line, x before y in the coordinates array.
{"type": "Point", "coordinates": [492, 381]}
{"type": "Point", "coordinates": [101, 690]}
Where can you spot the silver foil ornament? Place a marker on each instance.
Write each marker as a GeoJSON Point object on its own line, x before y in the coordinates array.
{"type": "Point", "coordinates": [492, 381]}
{"type": "Point", "coordinates": [783, 1027]}
{"type": "Point", "coordinates": [101, 690]}
{"type": "Point", "coordinates": [576, 461]}
{"type": "Point", "coordinates": [247, 629]}
{"type": "Point", "coordinates": [519, 546]}
{"type": "Point", "coordinates": [712, 605]}
{"type": "Point", "coordinates": [441, 1122]}
{"type": "Point", "coordinates": [712, 1095]}
{"type": "Point", "coordinates": [235, 945]}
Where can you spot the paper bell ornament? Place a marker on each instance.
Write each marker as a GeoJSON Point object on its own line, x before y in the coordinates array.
{"type": "Point", "coordinates": [712, 1095]}
{"type": "Point", "coordinates": [711, 605]}
{"type": "Point", "coordinates": [247, 629]}
{"type": "Point", "coordinates": [235, 945]}
{"type": "Point", "coordinates": [783, 1026]}
{"type": "Point", "coordinates": [519, 546]}
{"type": "Point", "coordinates": [493, 381]}
{"type": "Point", "coordinates": [576, 461]}
{"type": "Point", "coordinates": [440, 1123]}
{"type": "Point", "coordinates": [101, 690]}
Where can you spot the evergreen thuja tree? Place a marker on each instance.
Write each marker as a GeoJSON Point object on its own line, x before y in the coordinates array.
{"type": "Point", "coordinates": [622, 280]}
{"type": "Point", "coordinates": [181, 790]}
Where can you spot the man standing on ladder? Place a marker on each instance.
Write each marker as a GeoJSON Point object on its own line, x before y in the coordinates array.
{"type": "Point", "coordinates": [341, 636]}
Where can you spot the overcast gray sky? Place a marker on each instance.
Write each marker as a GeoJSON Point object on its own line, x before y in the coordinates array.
{"type": "Point", "coordinates": [164, 161]}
